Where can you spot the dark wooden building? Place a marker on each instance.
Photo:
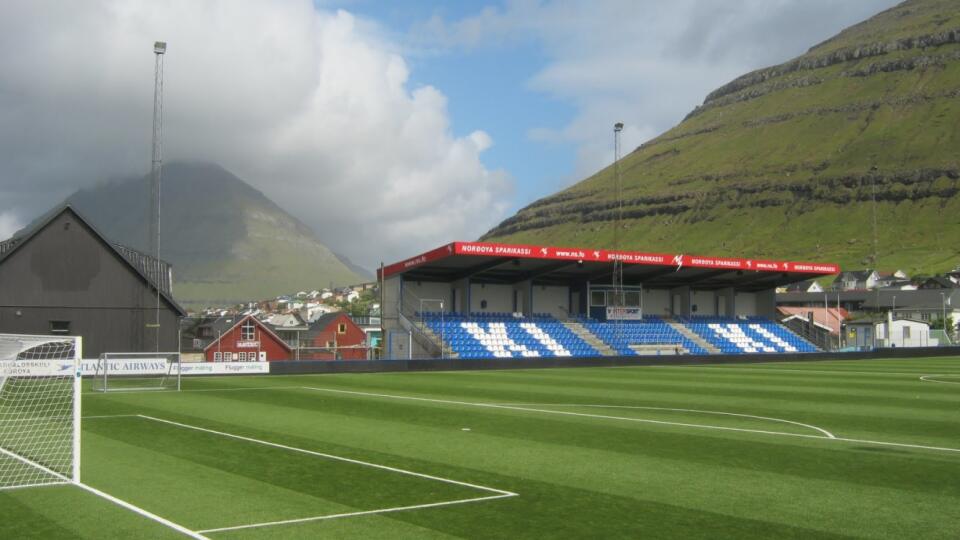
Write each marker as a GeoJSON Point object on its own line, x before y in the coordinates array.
{"type": "Point", "coordinates": [61, 276]}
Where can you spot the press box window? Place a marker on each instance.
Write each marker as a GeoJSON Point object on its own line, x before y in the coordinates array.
{"type": "Point", "coordinates": [59, 327]}
{"type": "Point", "coordinates": [598, 298]}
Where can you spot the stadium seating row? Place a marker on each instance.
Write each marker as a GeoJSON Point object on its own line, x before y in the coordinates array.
{"type": "Point", "coordinates": [509, 335]}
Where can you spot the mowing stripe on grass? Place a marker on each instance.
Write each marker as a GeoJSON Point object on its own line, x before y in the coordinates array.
{"type": "Point", "coordinates": [640, 420]}
{"type": "Point", "coordinates": [498, 493]}
{"type": "Point", "coordinates": [790, 370]}
{"type": "Point", "coordinates": [145, 513]}
{"type": "Point", "coordinates": [329, 456]}
{"type": "Point", "coordinates": [107, 496]}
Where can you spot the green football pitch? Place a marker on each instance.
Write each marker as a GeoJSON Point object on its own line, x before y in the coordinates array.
{"type": "Point", "coordinates": [867, 449]}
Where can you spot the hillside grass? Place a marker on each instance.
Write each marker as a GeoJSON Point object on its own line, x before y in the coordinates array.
{"type": "Point", "coordinates": [788, 174]}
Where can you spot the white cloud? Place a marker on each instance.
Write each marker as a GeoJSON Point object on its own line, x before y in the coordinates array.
{"type": "Point", "coordinates": [643, 62]}
{"type": "Point", "coordinates": [312, 107]}
{"type": "Point", "coordinates": [9, 224]}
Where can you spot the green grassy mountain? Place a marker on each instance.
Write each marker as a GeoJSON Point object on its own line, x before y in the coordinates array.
{"type": "Point", "coordinates": [227, 242]}
{"type": "Point", "coordinates": [783, 161]}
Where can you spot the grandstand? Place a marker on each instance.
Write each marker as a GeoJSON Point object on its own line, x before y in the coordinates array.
{"type": "Point", "coordinates": [472, 300]}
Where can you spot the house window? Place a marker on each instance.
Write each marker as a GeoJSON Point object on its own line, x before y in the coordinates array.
{"type": "Point", "coordinates": [342, 328]}
{"type": "Point", "coordinates": [243, 356]}
{"type": "Point", "coordinates": [217, 357]}
{"type": "Point", "coordinates": [330, 344]}
{"type": "Point", "coordinates": [925, 316]}
{"type": "Point", "coordinates": [247, 331]}
{"type": "Point", "coordinates": [59, 327]}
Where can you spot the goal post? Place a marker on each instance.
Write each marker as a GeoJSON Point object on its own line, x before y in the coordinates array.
{"type": "Point", "coordinates": [137, 371]}
{"type": "Point", "coordinates": [39, 410]}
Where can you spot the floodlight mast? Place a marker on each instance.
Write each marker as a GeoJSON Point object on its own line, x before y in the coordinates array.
{"type": "Point", "coordinates": [159, 49]}
{"type": "Point", "coordinates": [618, 300]}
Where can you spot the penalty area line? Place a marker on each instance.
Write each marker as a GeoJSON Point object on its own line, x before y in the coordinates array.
{"type": "Point", "coordinates": [359, 513]}
{"type": "Point", "coordinates": [497, 493]}
{"type": "Point", "coordinates": [140, 511]}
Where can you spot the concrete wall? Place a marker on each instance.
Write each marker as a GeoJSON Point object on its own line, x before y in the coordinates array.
{"type": "Point", "coordinates": [414, 291]}
{"type": "Point", "coordinates": [705, 301]}
{"type": "Point", "coordinates": [391, 298]}
{"type": "Point", "coordinates": [746, 303]}
{"type": "Point", "coordinates": [499, 298]}
{"type": "Point", "coordinates": [656, 302]}
{"type": "Point", "coordinates": [552, 300]}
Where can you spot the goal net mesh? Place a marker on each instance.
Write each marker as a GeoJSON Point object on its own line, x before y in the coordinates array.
{"type": "Point", "coordinates": [132, 371]}
{"type": "Point", "coordinates": [39, 419]}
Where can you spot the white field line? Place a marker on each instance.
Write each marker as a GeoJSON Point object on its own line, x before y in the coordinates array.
{"type": "Point", "coordinates": [149, 515]}
{"type": "Point", "coordinates": [361, 513]}
{"type": "Point", "coordinates": [41, 484]}
{"type": "Point", "coordinates": [499, 493]}
{"type": "Point", "coordinates": [36, 465]}
{"type": "Point", "coordinates": [771, 419]}
{"type": "Point", "coordinates": [642, 420]}
{"type": "Point", "coordinates": [929, 378]}
{"type": "Point", "coordinates": [96, 417]}
{"type": "Point", "coordinates": [584, 415]}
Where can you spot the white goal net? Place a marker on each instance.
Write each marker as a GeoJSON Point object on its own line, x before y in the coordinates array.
{"type": "Point", "coordinates": [134, 371]}
{"type": "Point", "coordinates": [39, 410]}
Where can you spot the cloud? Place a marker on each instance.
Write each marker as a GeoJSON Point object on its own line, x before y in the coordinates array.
{"type": "Point", "coordinates": [645, 63]}
{"type": "Point", "coordinates": [311, 106]}
{"type": "Point", "coordinates": [9, 224]}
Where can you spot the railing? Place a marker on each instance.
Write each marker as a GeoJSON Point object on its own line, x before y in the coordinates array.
{"type": "Point", "coordinates": [424, 340]}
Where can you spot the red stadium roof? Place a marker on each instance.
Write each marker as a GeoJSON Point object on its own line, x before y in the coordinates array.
{"type": "Point", "coordinates": [509, 263]}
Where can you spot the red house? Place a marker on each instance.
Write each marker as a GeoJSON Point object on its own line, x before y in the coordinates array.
{"type": "Point", "coordinates": [247, 340]}
{"type": "Point", "coordinates": [334, 336]}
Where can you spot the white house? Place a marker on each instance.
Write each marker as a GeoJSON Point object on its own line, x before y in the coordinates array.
{"type": "Point", "coordinates": [905, 333]}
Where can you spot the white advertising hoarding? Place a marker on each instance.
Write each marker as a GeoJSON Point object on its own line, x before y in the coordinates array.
{"type": "Point", "coordinates": [152, 366]}
{"type": "Point", "coordinates": [36, 368]}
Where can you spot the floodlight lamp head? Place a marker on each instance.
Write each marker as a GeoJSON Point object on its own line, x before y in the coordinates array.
{"type": "Point", "coordinates": [159, 47]}
{"type": "Point", "coordinates": [618, 126]}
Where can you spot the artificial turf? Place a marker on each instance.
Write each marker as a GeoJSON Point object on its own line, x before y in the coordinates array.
{"type": "Point", "coordinates": [645, 452]}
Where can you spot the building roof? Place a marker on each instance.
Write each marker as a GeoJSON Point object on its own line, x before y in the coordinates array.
{"type": "Point", "coordinates": [801, 286]}
{"type": "Point", "coordinates": [225, 325]}
{"type": "Point", "coordinates": [940, 282]}
{"type": "Point", "coordinates": [507, 263]}
{"type": "Point", "coordinates": [156, 274]}
{"type": "Point", "coordinates": [830, 318]}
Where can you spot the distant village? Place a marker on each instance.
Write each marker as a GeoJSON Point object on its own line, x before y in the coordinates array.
{"type": "Point", "coordinates": [333, 323]}
{"type": "Point", "coordinates": [858, 307]}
